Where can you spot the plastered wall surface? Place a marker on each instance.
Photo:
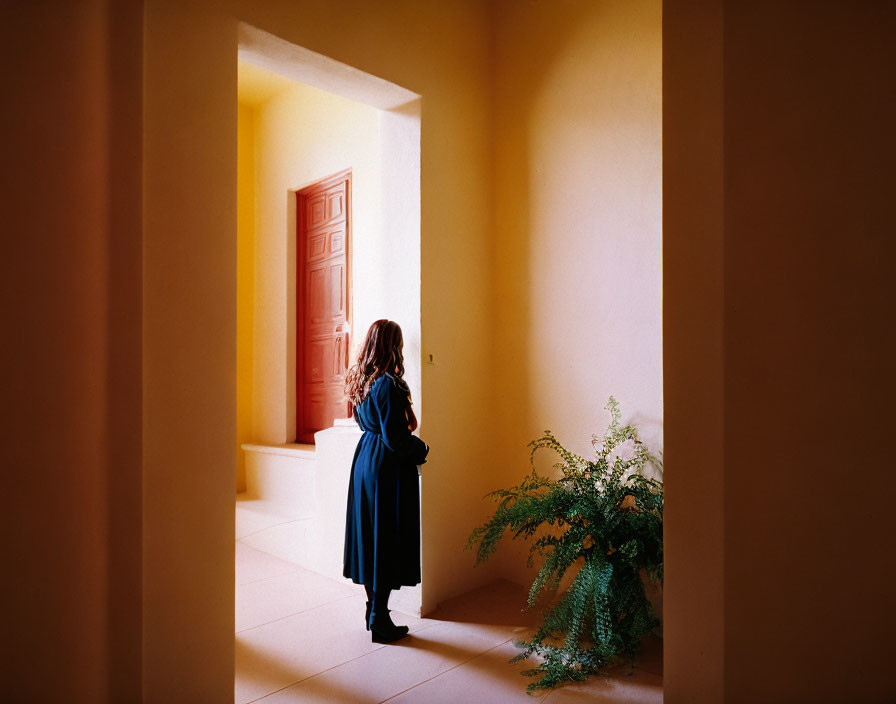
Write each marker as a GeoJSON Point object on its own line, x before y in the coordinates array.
{"type": "Point", "coordinates": [777, 228]}
{"type": "Point", "coordinates": [809, 268]}
{"type": "Point", "coordinates": [693, 320]}
{"type": "Point", "coordinates": [71, 352]}
{"type": "Point", "coordinates": [577, 221]}
{"type": "Point", "coordinates": [189, 352]}
{"type": "Point", "coordinates": [245, 285]}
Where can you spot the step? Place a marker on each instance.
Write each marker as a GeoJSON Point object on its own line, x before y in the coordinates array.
{"type": "Point", "coordinates": [283, 475]}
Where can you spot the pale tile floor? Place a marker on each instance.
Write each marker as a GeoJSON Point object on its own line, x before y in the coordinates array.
{"type": "Point", "coordinates": [300, 638]}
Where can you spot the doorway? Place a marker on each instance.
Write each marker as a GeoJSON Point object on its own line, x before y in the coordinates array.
{"type": "Point", "coordinates": [331, 194]}
{"type": "Point", "coordinates": [323, 325]}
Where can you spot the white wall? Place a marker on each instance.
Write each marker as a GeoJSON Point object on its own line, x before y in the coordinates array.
{"type": "Point", "coordinates": [389, 268]}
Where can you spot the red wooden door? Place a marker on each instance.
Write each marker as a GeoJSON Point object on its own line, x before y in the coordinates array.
{"type": "Point", "coordinates": [323, 309]}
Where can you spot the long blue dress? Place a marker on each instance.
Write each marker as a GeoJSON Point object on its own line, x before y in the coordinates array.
{"type": "Point", "coordinates": [382, 519]}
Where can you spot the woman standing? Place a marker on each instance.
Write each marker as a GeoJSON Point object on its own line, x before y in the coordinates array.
{"type": "Point", "coordinates": [382, 522]}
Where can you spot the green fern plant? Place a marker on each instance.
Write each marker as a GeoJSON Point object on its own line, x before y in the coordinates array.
{"type": "Point", "coordinates": [605, 520]}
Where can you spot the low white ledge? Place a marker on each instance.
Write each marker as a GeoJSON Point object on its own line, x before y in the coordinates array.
{"type": "Point", "coordinates": [345, 423]}
{"type": "Point", "coordinates": [288, 450]}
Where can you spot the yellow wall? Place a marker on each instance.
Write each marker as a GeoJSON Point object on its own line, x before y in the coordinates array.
{"type": "Point", "coordinates": [245, 284]}
{"type": "Point", "coordinates": [577, 218]}
{"type": "Point", "coordinates": [304, 135]}
{"type": "Point", "coordinates": [189, 352]}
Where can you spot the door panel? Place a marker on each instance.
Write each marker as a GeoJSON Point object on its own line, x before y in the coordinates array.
{"type": "Point", "coordinates": [335, 205]}
{"type": "Point", "coordinates": [317, 247]}
{"type": "Point", "coordinates": [336, 291]}
{"type": "Point", "coordinates": [336, 242]}
{"type": "Point", "coordinates": [323, 309]}
{"type": "Point", "coordinates": [317, 298]}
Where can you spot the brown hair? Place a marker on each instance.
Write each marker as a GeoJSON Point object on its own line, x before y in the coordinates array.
{"type": "Point", "coordinates": [380, 353]}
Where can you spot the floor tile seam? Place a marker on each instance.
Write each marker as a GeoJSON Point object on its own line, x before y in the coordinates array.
{"type": "Point", "coordinates": [303, 611]}
{"type": "Point", "coordinates": [548, 696]}
{"type": "Point", "coordinates": [316, 674]}
{"type": "Point", "coordinates": [297, 569]}
{"type": "Point", "coordinates": [326, 603]}
{"type": "Point", "coordinates": [294, 567]}
{"type": "Point", "coordinates": [454, 667]}
{"type": "Point", "coordinates": [262, 579]}
{"type": "Point", "coordinates": [333, 667]}
{"type": "Point", "coordinates": [273, 525]}
{"type": "Point", "coordinates": [285, 520]}
{"type": "Point", "coordinates": [370, 652]}
{"type": "Point", "coordinates": [282, 521]}
{"type": "Point", "coordinates": [305, 679]}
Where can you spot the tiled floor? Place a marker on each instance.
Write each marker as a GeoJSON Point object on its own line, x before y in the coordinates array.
{"type": "Point", "coordinates": [300, 638]}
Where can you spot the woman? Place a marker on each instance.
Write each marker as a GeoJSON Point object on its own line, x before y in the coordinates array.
{"type": "Point", "coordinates": [382, 522]}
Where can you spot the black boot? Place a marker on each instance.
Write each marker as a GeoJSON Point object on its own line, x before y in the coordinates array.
{"type": "Point", "coordinates": [369, 605]}
{"type": "Point", "coordinates": [381, 626]}
{"type": "Point", "coordinates": [384, 631]}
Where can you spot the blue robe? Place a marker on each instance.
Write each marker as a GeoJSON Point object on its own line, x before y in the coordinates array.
{"type": "Point", "coordinates": [382, 519]}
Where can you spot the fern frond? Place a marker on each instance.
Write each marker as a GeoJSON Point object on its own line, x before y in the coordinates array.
{"type": "Point", "coordinates": [603, 518]}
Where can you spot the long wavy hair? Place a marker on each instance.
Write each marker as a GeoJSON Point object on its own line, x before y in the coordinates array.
{"type": "Point", "coordinates": [380, 353]}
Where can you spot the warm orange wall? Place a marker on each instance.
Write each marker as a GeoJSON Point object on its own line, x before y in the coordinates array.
{"type": "Point", "coordinates": [577, 220]}
{"type": "Point", "coordinates": [809, 351]}
{"type": "Point", "coordinates": [189, 352]}
{"type": "Point", "coordinates": [778, 209]}
{"type": "Point", "coordinates": [245, 285]}
{"type": "Point", "coordinates": [693, 288]}
{"type": "Point", "coordinates": [71, 350]}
